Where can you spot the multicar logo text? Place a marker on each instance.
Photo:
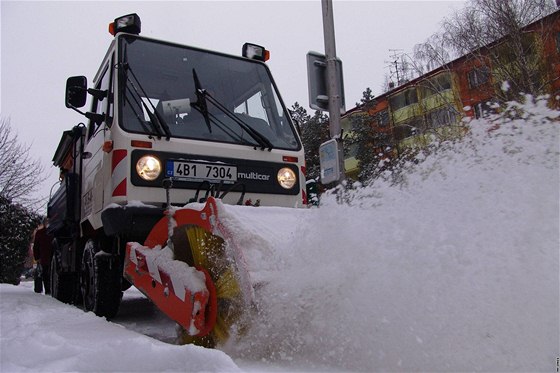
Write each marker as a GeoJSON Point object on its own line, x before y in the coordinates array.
{"type": "Point", "coordinates": [252, 176]}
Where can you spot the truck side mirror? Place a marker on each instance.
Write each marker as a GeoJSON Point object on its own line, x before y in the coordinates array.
{"type": "Point", "coordinates": [76, 92]}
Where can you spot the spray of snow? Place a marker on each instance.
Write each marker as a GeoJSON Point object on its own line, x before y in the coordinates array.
{"type": "Point", "coordinates": [454, 269]}
{"type": "Point", "coordinates": [505, 86]}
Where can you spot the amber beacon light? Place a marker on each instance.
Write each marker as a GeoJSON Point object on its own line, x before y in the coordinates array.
{"type": "Point", "coordinates": [129, 23]}
{"type": "Point", "coordinates": [255, 52]}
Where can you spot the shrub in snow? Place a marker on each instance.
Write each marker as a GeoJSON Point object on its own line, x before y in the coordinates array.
{"type": "Point", "coordinates": [17, 224]}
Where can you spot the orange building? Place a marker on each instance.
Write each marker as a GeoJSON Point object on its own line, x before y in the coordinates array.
{"type": "Point", "coordinates": [433, 105]}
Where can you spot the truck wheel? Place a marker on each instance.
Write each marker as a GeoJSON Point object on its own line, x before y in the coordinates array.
{"type": "Point", "coordinates": [100, 281]}
{"type": "Point", "coordinates": [37, 280]}
{"type": "Point", "coordinates": [87, 276]}
{"type": "Point", "coordinates": [108, 292]}
{"type": "Point", "coordinates": [62, 286]}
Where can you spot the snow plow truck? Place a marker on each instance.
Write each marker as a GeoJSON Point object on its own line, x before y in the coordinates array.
{"type": "Point", "coordinates": [173, 134]}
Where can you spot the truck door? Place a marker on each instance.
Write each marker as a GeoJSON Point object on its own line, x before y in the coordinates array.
{"type": "Point", "coordinates": [94, 157]}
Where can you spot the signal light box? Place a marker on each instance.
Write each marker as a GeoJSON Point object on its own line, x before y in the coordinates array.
{"type": "Point", "coordinates": [317, 82]}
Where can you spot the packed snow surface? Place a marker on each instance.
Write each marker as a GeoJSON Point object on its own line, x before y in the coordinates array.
{"type": "Point", "coordinates": [39, 334]}
{"type": "Point", "coordinates": [455, 268]}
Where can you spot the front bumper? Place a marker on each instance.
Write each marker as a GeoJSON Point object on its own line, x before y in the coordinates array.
{"type": "Point", "coordinates": [132, 222]}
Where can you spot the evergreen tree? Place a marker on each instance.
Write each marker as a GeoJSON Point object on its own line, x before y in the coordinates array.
{"type": "Point", "coordinates": [368, 99]}
{"type": "Point", "coordinates": [314, 131]}
{"type": "Point", "coordinates": [16, 226]}
{"type": "Point", "coordinates": [371, 144]}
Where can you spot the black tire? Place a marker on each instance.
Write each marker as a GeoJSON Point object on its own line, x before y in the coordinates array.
{"type": "Point", "coordinates": [125, 285]}
{"type": "Point", "coordinates": [100, 282]}
{"type": "Point", "coordinates": [37, 280]}
{"type": "Point", "coordinates": [87, 276]}
{"type": "Point", "coordinates": [108, 293]}
{"type": "Point", "coordinates": [62, 284]}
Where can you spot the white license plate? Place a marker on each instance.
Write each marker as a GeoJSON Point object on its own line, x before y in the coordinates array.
{"type": "Point", "coordinates": [198, 171]}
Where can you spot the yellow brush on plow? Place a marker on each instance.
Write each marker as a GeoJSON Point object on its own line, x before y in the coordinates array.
{"type": "Point", "coordinates": [198, 276]}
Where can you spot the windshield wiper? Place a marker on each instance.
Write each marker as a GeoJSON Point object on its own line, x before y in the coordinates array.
{"type": "Point", "coordinates": [157, 121]}
{"type": "Point", "coordinates": [262, 140]}
{"type": "Point", "coordinates": [201, 100]}
{"type": "Point", "coordinates": [155, 130]}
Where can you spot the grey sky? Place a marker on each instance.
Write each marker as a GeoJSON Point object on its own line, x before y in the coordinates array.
{"type": "Point", "coordinates": [44, 42]}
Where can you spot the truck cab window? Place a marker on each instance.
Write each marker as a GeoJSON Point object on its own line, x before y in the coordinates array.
{"type": "Point", "coordinates": [160, 89]}
{"type": "Point", "coordinates": [101, 106]}
{"type": "Point", "coordinates": [253, 107]}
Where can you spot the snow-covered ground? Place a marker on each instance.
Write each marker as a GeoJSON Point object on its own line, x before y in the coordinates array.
{"type": "Point", "coordinates": [455, 270]}
{"type": "Point", "coordinates": [41, 334]}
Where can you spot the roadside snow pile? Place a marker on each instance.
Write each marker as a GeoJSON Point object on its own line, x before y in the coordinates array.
{"type": "Point", "coordinates": [40, 334]}
{"type": "Point", "coordinates": [456, 269]}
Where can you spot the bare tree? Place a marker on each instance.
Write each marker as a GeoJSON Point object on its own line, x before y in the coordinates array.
{"type": "Point", "coordinates": [491, 32]}
{"type": "Point", "coordinates": [20, 175]}
{"type": "Point", "coordinates": [430, 55]}
{"type": "Point", "coordinates": [483, 22]}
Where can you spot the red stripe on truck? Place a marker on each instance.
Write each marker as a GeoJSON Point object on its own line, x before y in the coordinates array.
{"type": "Point", "coordinates": [120, 190]}
{"type": "Point", "coordinates": [118, 177]}
{"type": "Point", "coordinates": [118, 156]}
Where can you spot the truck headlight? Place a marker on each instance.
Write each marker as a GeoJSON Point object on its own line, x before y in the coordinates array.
{"type": "Point", "coordinates": [148, 167]}
{"type": "Point", "coordinates": [286, 178]}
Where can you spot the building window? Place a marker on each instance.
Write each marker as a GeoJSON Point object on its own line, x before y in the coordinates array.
{"type": "Point", "coordinates": [408, 129]}
{"type": "Point", "coordinates": [442, 117]}
{"type": "Point", "coordinates": [403, 99]}
{"type": "Point", "coordinates": [478, 76]}
{"type": "Point", "coordinates": [437, 84]}
{"type": "Point", "coordinates": [383, 118]}
{"type": "Point", "coordinates": [352, 150]}
{"type": "Point", "coordinates": [484, 109]}
{"type": "Point", "coordinates": [403, 132]}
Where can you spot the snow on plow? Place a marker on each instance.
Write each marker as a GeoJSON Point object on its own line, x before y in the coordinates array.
{"type": "Point", "coordinates": [182, 293]}
{"type": "Point", "coordinates": [198, 277]}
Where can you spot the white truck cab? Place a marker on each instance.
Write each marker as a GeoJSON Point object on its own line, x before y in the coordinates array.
{"type": "Point", "coordinates": [199, 122]}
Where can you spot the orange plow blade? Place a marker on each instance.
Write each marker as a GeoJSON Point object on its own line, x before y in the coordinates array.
{"type": "Point", "coordinates": [185, 300]}
{"type": "Point", "coordinates": [197, 277]}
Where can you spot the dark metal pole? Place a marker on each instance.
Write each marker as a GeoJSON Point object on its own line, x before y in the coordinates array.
{"type": "Point", "coordinates": [333, 83]}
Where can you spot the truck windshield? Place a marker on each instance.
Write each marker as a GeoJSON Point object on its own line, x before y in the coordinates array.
{"type": "Point", "coordinates": [176, 91]}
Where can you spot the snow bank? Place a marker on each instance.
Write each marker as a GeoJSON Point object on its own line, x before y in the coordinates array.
{"type": "Point", "coordinates": [455, 270]}
{"type": "Point", "coordinates": [40, 334]}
